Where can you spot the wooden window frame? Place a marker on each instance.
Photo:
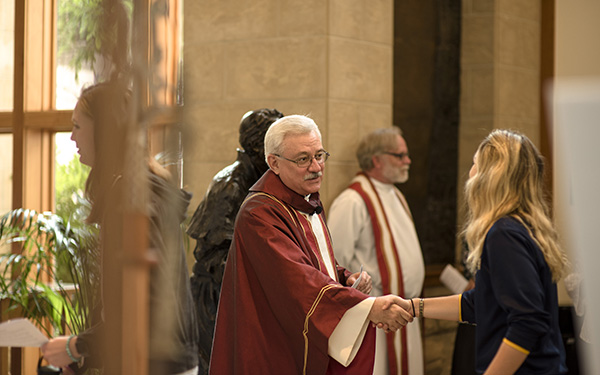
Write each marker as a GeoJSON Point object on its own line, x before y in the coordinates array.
{"type": "Point", "coordinates": [34, 120]}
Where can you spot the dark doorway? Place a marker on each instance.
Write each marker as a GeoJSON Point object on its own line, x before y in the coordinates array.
{"type": "Point", "coordinates": [426, 108]}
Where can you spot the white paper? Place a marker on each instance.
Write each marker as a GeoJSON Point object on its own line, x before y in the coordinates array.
{"type": "Point", "coordinates": [21, 333]}
{"type": "Point", "coordinates": [355, 285]}
{"type": "Point", "coordinates": [453, 279]}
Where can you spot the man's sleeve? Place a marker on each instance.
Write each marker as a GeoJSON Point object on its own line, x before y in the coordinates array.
{"type": "Point", "coordinates": [348, 335]}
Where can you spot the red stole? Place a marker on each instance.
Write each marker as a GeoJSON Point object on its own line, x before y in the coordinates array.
{"type": "Point", "coordinates": [388, 261]}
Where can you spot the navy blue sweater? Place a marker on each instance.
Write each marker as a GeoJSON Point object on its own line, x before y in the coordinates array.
{"type": "Point", "coordinates": [515, 301]}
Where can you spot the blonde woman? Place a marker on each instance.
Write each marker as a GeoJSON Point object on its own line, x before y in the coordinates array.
{"type": "Point", "coordinates": [517, 259]}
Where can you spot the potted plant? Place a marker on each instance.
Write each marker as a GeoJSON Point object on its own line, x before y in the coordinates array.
{"type": "Point", "coordinates": [53, 277]}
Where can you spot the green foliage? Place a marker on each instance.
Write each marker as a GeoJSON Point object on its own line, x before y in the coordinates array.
{"type": "Point", "coordinates": [70, 185]}
{"type": "Point", "coordinates": [86, 28]}
{"type": "Point", "coordinates": [59, 247]}
{"type": "Point", "coordinates": [44, 237]}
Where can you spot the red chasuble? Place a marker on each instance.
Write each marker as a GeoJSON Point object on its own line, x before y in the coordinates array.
{"type": "Point", "coordinates": [278, 305]}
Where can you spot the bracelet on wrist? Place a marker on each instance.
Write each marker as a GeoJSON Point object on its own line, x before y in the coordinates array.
{"type": "Point", "coordinates": [421, 307]}
{"type": "Point", "coordinates": [69, 353]}
{"type": "Point", "coordinates": [413, 307]}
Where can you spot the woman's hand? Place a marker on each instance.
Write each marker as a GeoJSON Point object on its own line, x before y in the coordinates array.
{"type": "Point", "coordinates": [55, 351]}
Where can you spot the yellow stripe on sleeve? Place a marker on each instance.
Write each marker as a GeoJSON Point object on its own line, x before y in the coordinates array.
{"type": "Point", "coordinates": [460, 319]}
{"type": "Point", "coordinates": [515, 346]}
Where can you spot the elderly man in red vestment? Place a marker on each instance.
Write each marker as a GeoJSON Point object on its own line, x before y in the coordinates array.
{"type": "Point", "coordinates": [286, 306]}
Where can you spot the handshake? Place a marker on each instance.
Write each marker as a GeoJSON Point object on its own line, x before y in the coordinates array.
{"type": "Point", "coordinates": [390, 313]}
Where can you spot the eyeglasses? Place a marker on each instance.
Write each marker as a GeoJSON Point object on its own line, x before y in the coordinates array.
{"type": "Point", "coordinates": [304, 161]}
{"type": "Point", "coordinates": [400, 156]}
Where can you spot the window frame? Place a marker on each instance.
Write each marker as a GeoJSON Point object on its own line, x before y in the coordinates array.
{"type": "Point", "coordinates": [34, 120]}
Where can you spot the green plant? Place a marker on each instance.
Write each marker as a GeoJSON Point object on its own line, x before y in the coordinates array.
{"type": "Point", "coordinates": [69, 186]}
{"type": "Point", "coordinates": [87, 29]}
{"type": "Point", "coordinates": [43, 239]}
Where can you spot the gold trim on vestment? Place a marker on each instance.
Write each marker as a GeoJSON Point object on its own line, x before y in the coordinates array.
{"type": "Point", "coordinates": [309, 314]}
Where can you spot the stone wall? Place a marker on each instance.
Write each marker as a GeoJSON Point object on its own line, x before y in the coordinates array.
{"type": "Point", "coordinates": [331, 60]}
{"type": "Point", "coordinates": [500, 74]}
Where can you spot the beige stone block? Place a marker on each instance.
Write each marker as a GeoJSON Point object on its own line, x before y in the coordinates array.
{"type": "Point", "coordinates": [466, 7]}
{"type": "Point", "coordinates": [307, 17]}
{"type": "Point", "coordinates": [378, 21]}
{"type": "Point", "coordinates": [439, 340]}
{"type": "Point", "coordinates": [345, 18]}
{"type": "Point", "coordinates": [360, 71]}
{"type": "Point", "coordinates": [344, 122]}
{"type": "Point", "coordinates": [204, 74]}
{"type": "Point", "coordinates": [367, 20]}
{"type": "Point", "coordinates": [276, 68]}
{"type": "Point", "coordinates": [477, 91]}
{"type": "Point", "coordinates": [338, 176]}
{"type": "Point", "coordinates": [349, 122]}
{"type": "Point", "coordinates": [483, 89]}
{"type": "Point", "coordinates": [518, 42]}
{"type": "Point", "coordinates": [219, 20]}
{"type": "Point", "coordinates": [315, 108]}
{"type": "Point", "coordinates": [525, 9]}
{"type": "Point", "coordinates": [482, 6]}
{"type": "Point", "coordinates": [374, 116]}
{"type": "Point", "coordinates": [211, 132]}
{"type": "Point", "coordinates": [472, 132]}
{"type": "Point", "coordinates": [528, 127]}
{"type": "Point", "coordinates": [465, 92]}
{"type": "Point", "coordinates": [518, 93]}
{"type": "Point", "coordinates": [477, 40]}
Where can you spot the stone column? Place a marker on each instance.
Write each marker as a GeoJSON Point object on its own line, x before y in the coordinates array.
{"type": "Point", "coordinates": [331, 60]}
{"type": "Point", "coordinates": [500, 68]}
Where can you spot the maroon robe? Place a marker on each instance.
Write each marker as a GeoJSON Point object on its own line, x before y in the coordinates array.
{"type": "Point", "coordinates": [278, 305]}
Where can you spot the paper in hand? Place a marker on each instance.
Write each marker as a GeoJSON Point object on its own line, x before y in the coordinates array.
{"type": "Point", "coordinates": [21, 333]}
{"type": "Point", "coordinates": [453, 279]}
{"type": "Point", "coordinates": [355, 285]}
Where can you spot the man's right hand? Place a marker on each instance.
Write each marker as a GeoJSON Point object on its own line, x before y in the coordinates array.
{"type": "Point", "coordinates": [390, 312]}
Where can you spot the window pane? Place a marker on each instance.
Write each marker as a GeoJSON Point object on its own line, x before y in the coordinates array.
{"type": "Point", "coordinates": [70, 177]}
{"type": "Point", "coordinates": [6, 160]}
{"type": "Point", "coordinates": [7, 51]}
{"type": "Point", "coordinates": [71, 73]}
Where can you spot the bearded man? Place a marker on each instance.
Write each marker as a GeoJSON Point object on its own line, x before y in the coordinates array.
{"type": "Point", "coordinates": [372, 227]}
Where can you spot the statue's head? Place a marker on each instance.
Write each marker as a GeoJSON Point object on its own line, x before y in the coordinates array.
{"type": "Point", "coordinates": [253, 127]}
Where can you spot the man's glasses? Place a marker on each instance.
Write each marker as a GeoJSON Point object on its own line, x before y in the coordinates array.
{"type": "Point", "coordinates": [400, 156]}
{"type": "Point", "coordinates": [304, 161]}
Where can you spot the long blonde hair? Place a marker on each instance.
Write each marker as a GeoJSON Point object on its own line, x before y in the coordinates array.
{"type": "Point", "coordinates": [509, 182]}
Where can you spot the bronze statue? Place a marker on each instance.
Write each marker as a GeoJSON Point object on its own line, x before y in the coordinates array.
{"type": "Point", "coordinates": [212, 223]}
